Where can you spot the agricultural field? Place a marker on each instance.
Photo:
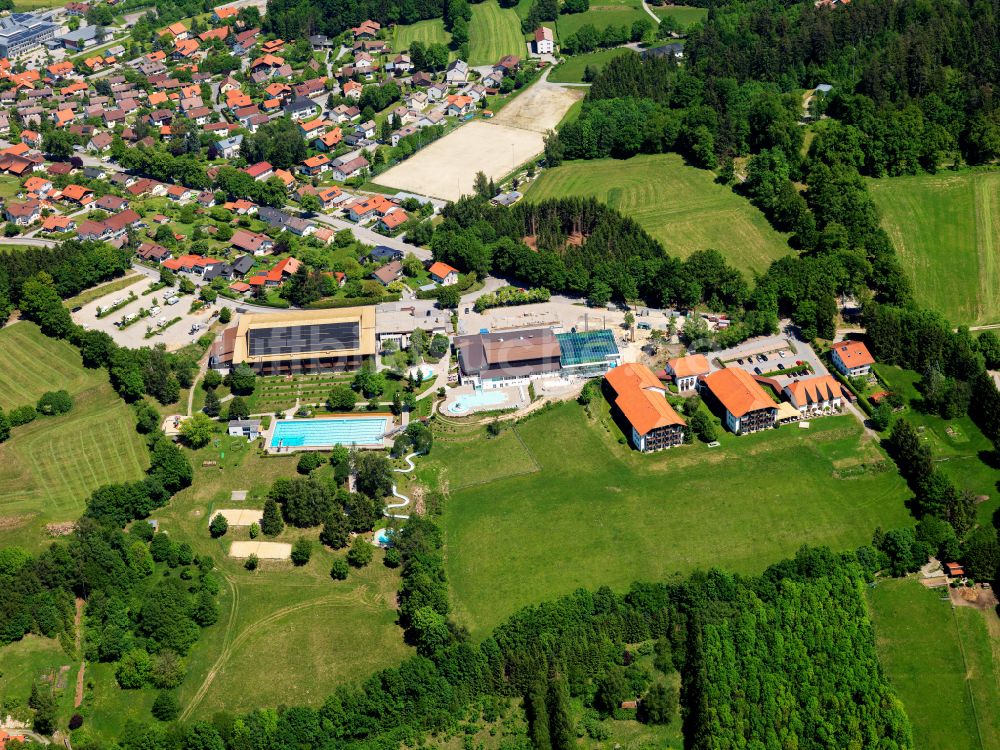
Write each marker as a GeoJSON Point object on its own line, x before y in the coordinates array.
{"type": "Point", "coordinates": [946, 229]}
{"type": "Point", "coordinates": [429, 32]}
{"type": "Point", "coordinates": [49, 467]}
{"type": "Point", "coordinates": [602, 14]}
{"type": "Point", "coordinates": [601, 514]}
{"type": "Point", "coordinates": [681, 206]}
{"type": "Point", "coordinates": [493, 33]}
{"type": "Point", "coordinates": [684, 15]}
{"type": "Point", "coordinates": [941, 662]}
{"type": "Point", "coordinates": [572, 70]}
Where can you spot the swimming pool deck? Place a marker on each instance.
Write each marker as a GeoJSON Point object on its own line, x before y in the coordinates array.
{"type": "Point", "coordinates": [517, 398]}
{"type": "Point", "coordinates": [286, 449]}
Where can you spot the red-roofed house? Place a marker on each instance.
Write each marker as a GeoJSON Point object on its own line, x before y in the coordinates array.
{"type": "Point", "coordinates": [443, 274]}
{"type": "Point", "coordinates": [852, 358]}
{"type": "Point", "coordinates": [260, 171]}
{"type": "Point", "coordinates": [641, 399]}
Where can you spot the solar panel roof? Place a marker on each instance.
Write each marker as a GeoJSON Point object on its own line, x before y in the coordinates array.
{"type": "Point", "coordinates": [298, 339]}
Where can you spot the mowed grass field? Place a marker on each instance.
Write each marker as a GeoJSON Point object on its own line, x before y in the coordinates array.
{"type": "Point", "coordinates": [50, 466]}
{"type": "Point", "coordinates": [681, 206]}
{"type": "Point", "coordinates": [946, 229]}
{"type": "Point", "coordinates": [942, 662]}
{"type": "Point", "coordinates": [428, 32]}
{"type": "Point", "coordinates": [493, 33]}
{"type": "Point", "coordinates": [602, 15]}
{"type": "Point", "coordinates": [572, 70]}
{"type": "Point", "coordinates": [683, 14]}
{"type": "Point", "coordinates": [595, 513]}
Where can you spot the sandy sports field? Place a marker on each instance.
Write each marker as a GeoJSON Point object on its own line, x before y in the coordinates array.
{"type": "Point", "coordinates": [239, 516]}
{"type": "Point", "coordinates": [263, 550]}
{"type": "Point", "coordinates": [447, 168]}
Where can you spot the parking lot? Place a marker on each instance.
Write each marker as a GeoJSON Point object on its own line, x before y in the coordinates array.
{"type": "Point", "coordinates": [134, 336]}
{"type": "Point", "coordinates": [772, 354]}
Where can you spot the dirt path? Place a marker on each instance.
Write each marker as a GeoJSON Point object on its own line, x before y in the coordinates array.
{"type": "Point", "coordinates": [202, 367]}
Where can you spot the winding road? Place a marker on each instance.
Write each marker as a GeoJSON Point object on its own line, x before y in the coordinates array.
{"type": "Point", "coordinates": [404, 498]}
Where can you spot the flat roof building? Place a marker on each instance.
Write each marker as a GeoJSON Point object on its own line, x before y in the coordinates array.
{"type": "Point", "coordinates": [498, 360]}
{"type": "Point", "coordinates": [300, 341]}
{"type": "Point", "coordinates": [588, 354]}
{"type": "Point", "coordinates": [21, 33]}
{"type": "Point", "coordinates": [745, 405]}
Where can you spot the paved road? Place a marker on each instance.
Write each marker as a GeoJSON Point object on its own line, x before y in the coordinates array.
{"type": "Point", "coordinates": [29, 241]}
{"type": "Point", "coordinates": [371, 237]}
{"type": "Point", "coordinates": [652, 15]}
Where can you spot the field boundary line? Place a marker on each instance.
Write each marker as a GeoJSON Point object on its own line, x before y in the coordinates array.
{"type": "Point", "coordinates": [538, 466]}
{"type": "Point", "coordinates": [968, 687]}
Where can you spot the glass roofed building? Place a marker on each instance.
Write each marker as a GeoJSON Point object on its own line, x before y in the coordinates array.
{"type": "Point", "coordinates": [588, 354]}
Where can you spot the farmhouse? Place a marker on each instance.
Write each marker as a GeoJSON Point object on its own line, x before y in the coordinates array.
{"type": "Point", "coordinates": [544, 41]}
{"type": "Point", "coordinates": [686, 371]}
{"type": "Point", "coordinates": [812, 396]}
{"type": "Point", "coordinates": [745, 405]}
{"type": "Point", "coordinates": [852, 358]}
{"type": "Point", "coordinates": [641, 400]}
{"type": "Point", "coordinates": [300, 341]}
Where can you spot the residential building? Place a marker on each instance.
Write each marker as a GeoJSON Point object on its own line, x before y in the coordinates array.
{"type": "Point", "coordinates": [457, 72]}
{"type": "Point", "coordinates": [389, 273]}
{"type": "Point", "coordinates": [686, 370]}
{"type": "Point", "coordinates": [252, 242]}
{"type": "Point", "coordinates": [745, 406]}
{"type": "Point", "coordinates": [817, 395]}
{"type": "Point", "coordinates": [443, 274]}
{"type": "Point", "coordinates": [641, 400]}
{"type": "Point", "coordinates": [852, 358]}
{"type": "Point", "coordinates": [23, 214]}
{"type": "Point", "coordinates": [544, 41]}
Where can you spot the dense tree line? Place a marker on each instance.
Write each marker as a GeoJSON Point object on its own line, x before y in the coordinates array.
{"type": "Point", "coordinates": [583, 647]}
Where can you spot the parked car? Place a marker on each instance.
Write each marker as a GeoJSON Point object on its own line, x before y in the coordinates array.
{"type": "Point", "coordinates": [739, 361]}
{"type": "Point", "coordinates": [781, 366]}
{"type": "Point", "coordinates": [757, 370]}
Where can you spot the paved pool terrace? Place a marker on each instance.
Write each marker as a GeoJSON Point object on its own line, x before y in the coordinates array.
{"type": "Point", "coordinates": [323, 433]}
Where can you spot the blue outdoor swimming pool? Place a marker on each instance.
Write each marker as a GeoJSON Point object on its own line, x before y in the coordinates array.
{"type": "Point", "coordinates": [326, 433]}
{"type": "Point", "coordinates": [477, 400]}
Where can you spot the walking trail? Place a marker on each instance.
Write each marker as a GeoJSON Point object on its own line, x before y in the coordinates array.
{"type": "Point", "coordinates": [404, 498]}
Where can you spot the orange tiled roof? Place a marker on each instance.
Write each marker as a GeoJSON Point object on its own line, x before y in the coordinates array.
{"type": "Point", "coordinates": [853, 354]}
{"type": "Point", "coordinates": [738, 391]}
{"type": "Point", "coordinates": [686, 367]}
{"type": "Point", "coordinates": [639, 397]}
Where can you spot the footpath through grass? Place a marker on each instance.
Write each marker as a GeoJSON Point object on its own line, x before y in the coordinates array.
{"type": "Point", "coordinates": [50, 466]}
{"type": "Point", "coordinates": [568, 505]}
{"type": "Point", "coordinates": [941, 662]}
{"type": "Point", "coordinates": [493, 33]}
{"type": "Point", "coordinates": [681, 206]}
{"type": "Point", "coordinates": [946, 229]}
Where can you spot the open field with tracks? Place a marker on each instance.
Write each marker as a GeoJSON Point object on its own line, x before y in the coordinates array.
{"type": "Point", "coordinates": [536, 522]}
{"type": "Point", "coordinates": [946, 229]}
{"type": "Point", "coordinates": [493, 33]}
{"type": "Point", "coordinates": [48, 467]}
{"type": "Point", "coordinates": [681, 206]}
{"type": "Point", "coordinates": [943, 663]}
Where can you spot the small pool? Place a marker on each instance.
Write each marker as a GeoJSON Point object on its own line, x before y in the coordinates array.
{"type": "Point", "coordinates": [477, 400]}
{"type": "Point", "coordinates": [326, 433]}
{"type": "Point", "coordinates": [383, 537]}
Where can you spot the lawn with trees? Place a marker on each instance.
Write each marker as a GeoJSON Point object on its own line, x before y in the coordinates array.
{"type": "Point", "coordinates": [577, 68]}
{"type": "Point", "coordinates": [681, 206]}
{"type": "Point", "coordinates": [946, 229]}
{"type": "Point", "coordinates": [603, 514]}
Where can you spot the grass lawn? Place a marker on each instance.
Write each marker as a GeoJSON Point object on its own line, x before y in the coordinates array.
{"type": "Point", "coordinates": [601, 15]}
{"type": "Point", "coordinates": [957, 445]}
{"type": "Point", "coordinates": [598, 513]}
{"type": "Point", "coordinates": [571, 71]}
{"type": "Point", "coordinates": [115, 285]}
{"type": "Point", "coordinates": [30, 660]}
{"type": "Point", "coordinates": [683, 14]}
{"type": "Point", "coordinates": [9, 186]}
{"type": "Point", "coordinates": [941, 663]}
{"type": "Point", "coordinates": [50, 466]}
{"type": "Point", "coordinates": [428, 32]}
{"type": "Point", "coordinates": [946, 229]}
{"type": "Point", "coordinates": [681, 206]}
{"type": "Point", "coordinates": [493, 33]}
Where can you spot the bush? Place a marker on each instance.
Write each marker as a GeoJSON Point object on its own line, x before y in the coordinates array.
{"type": "Point", "coordinates": [338, 571]}
{"type": "Point", "coordinates": [341, 398]}
{"type": "Point", "coordinates": [252, 563]}
{"type": "Point", "coordinates": [54, 402]}
{"type": "Point", "coordinates": [75, 721]}
{"type": "Point", "coordinates": [22, 415]}
{"type": "Point", "coordinates": [254, 530]}
{"type": "Point", "coordinates": [361, 552]}
{"type": "Point", "coordinates": [310, 461]}
{"type": "Point", "coordinates": [393, 558]}
{"type": "Point", "coordinates": [166, 707]}
{"type": "Point", "coordinates": [219, 526]}
{"type": "Point", "coordinates": [301, 551]}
